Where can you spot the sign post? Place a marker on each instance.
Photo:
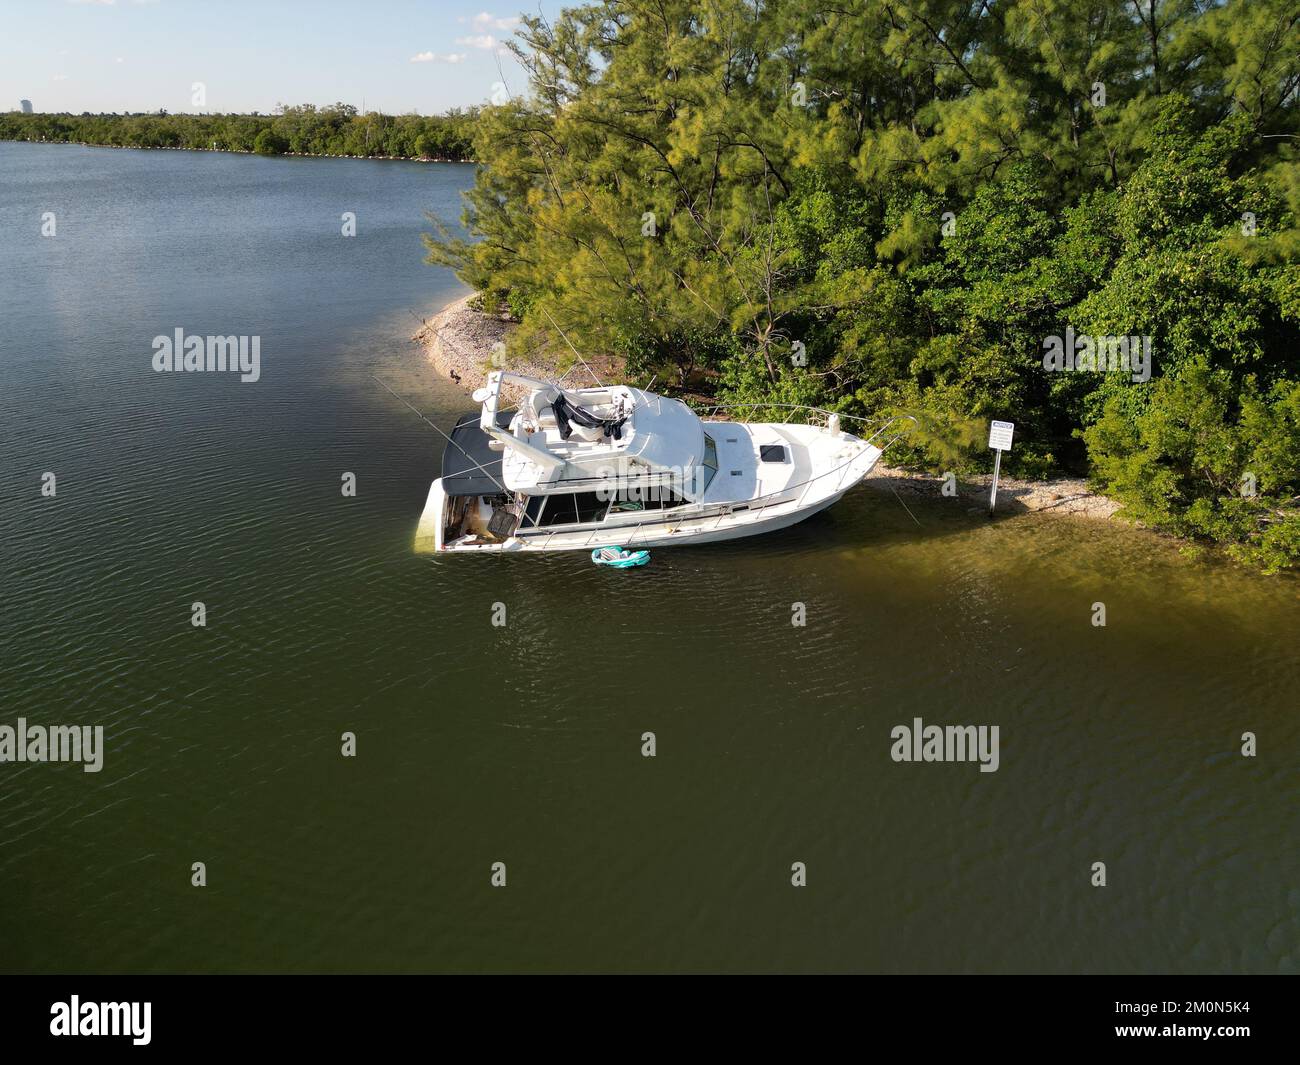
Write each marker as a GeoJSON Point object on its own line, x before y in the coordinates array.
{"type": "Point", "coordinates": [1000, 434]}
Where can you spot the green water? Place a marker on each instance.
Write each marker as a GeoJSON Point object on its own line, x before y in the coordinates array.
{"type": "Point", "coordinates": [522, 744]}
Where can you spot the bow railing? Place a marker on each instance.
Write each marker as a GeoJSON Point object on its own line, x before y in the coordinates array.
{"type": "Point", "coordinates": [759, 504]}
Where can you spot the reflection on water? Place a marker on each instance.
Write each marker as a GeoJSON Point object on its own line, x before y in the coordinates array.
{"type": "Point", "coordinates": [477, 744]}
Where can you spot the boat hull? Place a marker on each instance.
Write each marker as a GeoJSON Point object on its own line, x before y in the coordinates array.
{"type": "Point", "coordinates": [705, 530]}
{"type": "Point", "coordinates": [666, 528]}
{"type": "Point", "coordinates": [702, 530]}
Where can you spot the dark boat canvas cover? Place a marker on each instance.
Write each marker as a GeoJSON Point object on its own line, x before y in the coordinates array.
{"type": "Point", "coordinates": [468, 450]}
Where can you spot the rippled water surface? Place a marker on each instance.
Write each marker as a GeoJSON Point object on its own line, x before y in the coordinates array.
{"type": "Point", "coordinates": [523, 744]}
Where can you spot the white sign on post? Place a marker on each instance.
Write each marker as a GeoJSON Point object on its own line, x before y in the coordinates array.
{"type": "Point", "coordinates": [1000, 434]}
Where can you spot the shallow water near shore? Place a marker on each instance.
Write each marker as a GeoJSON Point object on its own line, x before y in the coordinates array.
{"type": "Point", "coordinates": [523, 744]}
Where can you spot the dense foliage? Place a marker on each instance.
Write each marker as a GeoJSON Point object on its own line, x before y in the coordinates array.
{"type": "Point", "coordinates": [307, 130]}
{"type": "Point", "coordinates": [885, 205]}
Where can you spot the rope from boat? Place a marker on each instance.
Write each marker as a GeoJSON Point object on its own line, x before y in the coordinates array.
{"type": "Point", "coordinates": [449, 440]}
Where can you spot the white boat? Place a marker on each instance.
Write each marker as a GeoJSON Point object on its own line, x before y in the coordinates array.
{"type": "Point", "coordinates": [576, 469]}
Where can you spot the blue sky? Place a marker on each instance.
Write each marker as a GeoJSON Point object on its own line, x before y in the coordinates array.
{"type": "Point", "coordinates": [142, 55]}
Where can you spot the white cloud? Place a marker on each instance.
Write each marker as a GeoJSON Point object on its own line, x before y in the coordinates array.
{"type": "Point", "coordinates": [486, 41]}
{"type": "Point", "coordinates": [60, 77]}
{"type": "Point", "coordinates": [434, 57]}
{"type": "Point", "coordinates": [484, 21]}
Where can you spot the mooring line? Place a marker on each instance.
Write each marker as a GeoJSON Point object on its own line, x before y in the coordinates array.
{"type": "Point", "coordinates": [904, 506]}
{"type": "Point", "coordinates": [435, 428]}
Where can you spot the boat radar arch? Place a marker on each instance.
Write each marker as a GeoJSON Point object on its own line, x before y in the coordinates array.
{"type": "Point", "coordinates": [490, 396]}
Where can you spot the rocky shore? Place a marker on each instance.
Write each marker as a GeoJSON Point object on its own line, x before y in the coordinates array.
{"type": "Point", "coordinates": [1061, 495]}
{"type": "Point", "coordinates": [459, 342]}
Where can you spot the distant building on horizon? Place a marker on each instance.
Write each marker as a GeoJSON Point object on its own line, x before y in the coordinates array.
{"type": "Point", "coordinates": [26, 105]}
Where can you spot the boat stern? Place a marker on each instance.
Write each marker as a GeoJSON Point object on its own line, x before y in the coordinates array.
{"type": "Point", "coordinates": [428, 533]}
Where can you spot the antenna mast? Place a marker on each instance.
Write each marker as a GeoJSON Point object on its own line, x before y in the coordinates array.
{"type": "Point", "coordinates": [599, 382]}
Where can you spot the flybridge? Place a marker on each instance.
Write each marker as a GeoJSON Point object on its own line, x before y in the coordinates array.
{"type": "Point", "coordinates": [562, 438]}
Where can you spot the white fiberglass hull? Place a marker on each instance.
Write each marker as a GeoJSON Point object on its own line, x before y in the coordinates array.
{"type": "Point", "coordinates": [691, 524]}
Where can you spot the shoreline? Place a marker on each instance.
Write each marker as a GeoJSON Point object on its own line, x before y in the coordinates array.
{"type": "Point", "coordinates": [240, 151]}
{"type": "Point", "coordinates": [457, 342]}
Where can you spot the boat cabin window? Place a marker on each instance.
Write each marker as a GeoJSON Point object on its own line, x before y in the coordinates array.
{"type": "Point", "coordinates": [573, 507]}
{"type": "Point", "coordinates": [533, 510]}
{"type": "Point", "coordinates": [650, 497]}
{"type": "Point", "coordinates": [710, 464]}
{"type": "Point", "coordinates": [591, 506]}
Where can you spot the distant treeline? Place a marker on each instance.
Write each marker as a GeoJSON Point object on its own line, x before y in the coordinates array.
{"type": "Point", "coordinates": [305, 130]}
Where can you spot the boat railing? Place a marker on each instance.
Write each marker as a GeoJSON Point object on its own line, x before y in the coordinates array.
{"type": "Point", "coordinates": [781, 496]}
{"type": "Point", "coordinates": [814, 415]}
